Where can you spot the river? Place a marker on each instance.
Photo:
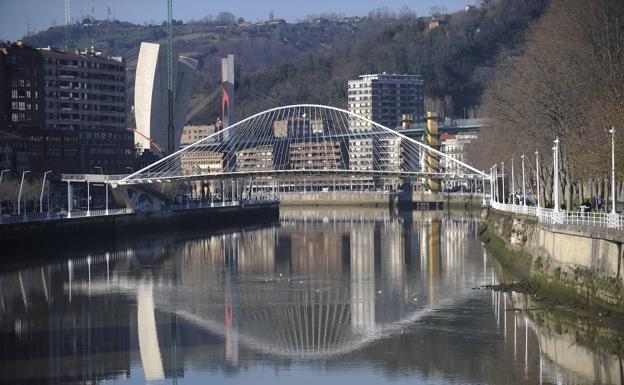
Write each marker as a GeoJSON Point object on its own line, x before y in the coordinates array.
{"type": "Point", "coordinates": [327, 295]}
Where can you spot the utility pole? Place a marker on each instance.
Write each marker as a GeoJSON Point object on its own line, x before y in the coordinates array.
{"type": "Point", "coordinates": [170, 127]}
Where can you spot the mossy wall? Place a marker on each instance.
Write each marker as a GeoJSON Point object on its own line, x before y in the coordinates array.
{"type": "Point", "coordinates": [562, 261]}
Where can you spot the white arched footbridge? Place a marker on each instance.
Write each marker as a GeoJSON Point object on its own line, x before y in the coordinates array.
{"type": "Point", "coordinates": [305, 140]}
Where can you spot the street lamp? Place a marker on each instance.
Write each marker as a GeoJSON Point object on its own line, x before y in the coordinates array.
{"type": "Point", "coordinates": [537, 180]}
{"type": "Point", "coordinates": [495, 180]}
{"type": "Point", "coordinates": [612, 132]}
{"type": "Point", "coordinates": [130, 168]}
{"type": "Point", "coordinates": [556, 172]}
{"type": "Point", "coordinates": [41, 195]}
{"type": "Point", "coordinates": [523, 185]}
{"type": "Point", "coordinates": [19, 195]}
{"type": "Point", "coordinates": [513, 184]}
{"type": "Point", "coordinates": [491, 185]}
{"type": "Point", "coordinates": [483, 188]}
{"type": "Point", "coordinates": [503, 180]}
{"type": "Point", "coordinates": [101, 169]}
{"type": "Point", "coordinates": [1, 174]}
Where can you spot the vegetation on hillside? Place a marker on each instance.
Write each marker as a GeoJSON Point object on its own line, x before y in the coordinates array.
{"type": "Point", "coordinates": [456, 59]}
{"type": "Point", "coordinates": [312, 61]}
{"type": "Point", "coordinates": [567, 81]}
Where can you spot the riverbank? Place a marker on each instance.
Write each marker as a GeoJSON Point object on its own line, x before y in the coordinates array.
{"type": "Point", "coordinates": [37, 238]}
{"type": "Point", "coordinates": [382, 199]}
{"type": "Point", "coordinates": [573, 263]}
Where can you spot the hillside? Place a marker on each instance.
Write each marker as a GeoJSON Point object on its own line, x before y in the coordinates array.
{"type": "Point", "coordinates": [256, 47]}
{"type": "Point", "coordinates": [312, 61]}
{"type": "Point", "coordinates": [456, 59]}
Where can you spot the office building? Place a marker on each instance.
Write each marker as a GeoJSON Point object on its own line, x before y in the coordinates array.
{"type": "Point", "coordinates": [69, 108]}
{"type": "Point", "coordinates": [385, 98]}
{"type": "Point", "coordinates": [21, 82]}
{"type": "Point", "coordinates": [85, 108]}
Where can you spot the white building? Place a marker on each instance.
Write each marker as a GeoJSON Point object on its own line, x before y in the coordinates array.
{"type": "Point", "coordinates": [151, 103]}
{"type": "Point", "coordinates": [456, 147]}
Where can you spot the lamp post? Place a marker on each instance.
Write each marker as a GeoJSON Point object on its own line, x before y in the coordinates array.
{"type": "Point", "coordinates": [503, 179]}
{"type": "Point", "coordinates": [612, 132]}
{"type": "Point", "coordinates": [613, 219]}
{"type": "Point", "coordinates": [523, 185]}
{"type": "Point", "coordinates": [537, 180]}
{"type": "Point", "coordinates": [106, 194]}
{"type": "Point", "coordinates": [491, 185]}
{"type": "Point", "coordinates": [19, 195]}
{"type": "Point", "coordinates": [556, 172]}
{"type": "Point", "coordinates": [1, 174]}
{"type": "Point", "coordinates": [513, 184]}
{"type": "Point", "coordinates": [495, 192]}
{"type": "Point", "coordinates": [129, 168]}
{"type": "Point", "coordinates": [101, 169]}
{"type": "Point", "coordinates": [88, 199]}
{"type": "Point", "coordinates": [41, 195]}
{"type": "Point", "coordinates": [483, 188]}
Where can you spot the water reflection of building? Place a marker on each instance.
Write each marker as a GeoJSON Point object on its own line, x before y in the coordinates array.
{"type": "Point", "coordinates": [219, 302]}
{"type": "Point", "coordinates": [362, 269]}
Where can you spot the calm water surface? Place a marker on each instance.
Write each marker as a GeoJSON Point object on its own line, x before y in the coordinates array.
{"type": "Point", "coordinates": [337, 296]}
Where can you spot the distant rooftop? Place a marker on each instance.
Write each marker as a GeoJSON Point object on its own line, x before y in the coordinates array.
{"type": "Point", "coordinates": [84, 54]}
{"type": "Point", "coordinates": [385, 76]}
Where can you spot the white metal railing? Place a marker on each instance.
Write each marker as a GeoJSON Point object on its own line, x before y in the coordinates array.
{"type": "Point", "coordinates": [551, 216]}
{"type": "Point", "coordinates": [206, 204]}
{"type": "Point", "coordinates": [37, 217]}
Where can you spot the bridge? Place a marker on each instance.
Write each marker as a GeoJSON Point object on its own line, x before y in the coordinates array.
{"type": "Point", "coordinates": [307, 140]}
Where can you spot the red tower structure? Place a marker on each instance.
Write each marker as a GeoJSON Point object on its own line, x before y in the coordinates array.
{"type": "Point", "coordinates": [228, 104]}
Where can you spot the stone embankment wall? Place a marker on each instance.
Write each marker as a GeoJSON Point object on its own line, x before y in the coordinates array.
{"type": "Point", "coordinates": [577, 262]}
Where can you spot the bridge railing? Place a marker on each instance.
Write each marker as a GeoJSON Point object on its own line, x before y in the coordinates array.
{"type": "Point", "coordinates": [551, 216]}
{"type": "Point", "coordinates": [38, 217]}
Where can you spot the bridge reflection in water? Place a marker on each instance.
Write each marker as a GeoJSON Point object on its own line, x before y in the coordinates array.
{"type": "Point", "coordinates": [329, 289]}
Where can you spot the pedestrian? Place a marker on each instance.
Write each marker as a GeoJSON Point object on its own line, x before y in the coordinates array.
{"type": "Point", "coordinates": [599, 202]}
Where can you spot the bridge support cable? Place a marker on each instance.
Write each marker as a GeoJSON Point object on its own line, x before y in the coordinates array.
{"type": "Point", "coordinates": [306, 141]}
{"type": "Point", "coordinates": [203, 103]}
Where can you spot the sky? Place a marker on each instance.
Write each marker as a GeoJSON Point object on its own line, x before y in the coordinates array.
{"type": "Point", "coordinates": [18, 15]}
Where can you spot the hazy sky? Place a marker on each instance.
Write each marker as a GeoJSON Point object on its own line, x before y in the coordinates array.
{"type": "Point", "coordinates": [43, 13]}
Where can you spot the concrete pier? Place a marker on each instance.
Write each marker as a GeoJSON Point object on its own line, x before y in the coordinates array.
{"type": "Point", "coordinates": [20, 237]}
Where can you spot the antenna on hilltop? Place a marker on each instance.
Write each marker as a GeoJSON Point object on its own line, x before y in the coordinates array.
{"type": "Point", "coordinates": [92, 10]}
{"type": "Point", "coordinates": [108, 11]}
{"type": "Point", "coordinates": [67, 25]}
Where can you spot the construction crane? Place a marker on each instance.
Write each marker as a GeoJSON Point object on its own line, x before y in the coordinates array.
{"type": "Point", "coordinates": [152, 141]}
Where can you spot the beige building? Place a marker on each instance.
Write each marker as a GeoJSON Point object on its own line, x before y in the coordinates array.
{"type": "Point", "coordinates": [255, 159]}
{"type": "Point", "coordinates": [192, 134]}
{"type": "Point", "coordinates": [295, 127]}
{"type": "Point", "coordinates": [201, 162]}
{"type": "Point", "coordinates": [312, 155]}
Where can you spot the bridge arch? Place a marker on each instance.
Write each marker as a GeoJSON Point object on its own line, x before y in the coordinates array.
{"type": "Point", "coordinates": [304, 139]}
